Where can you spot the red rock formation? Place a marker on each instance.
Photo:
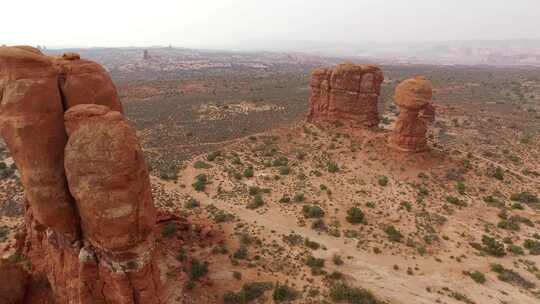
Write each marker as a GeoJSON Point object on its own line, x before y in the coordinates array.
{"type": "Point", "coordinates": [349, 94]}
{"type": "Point", "coordinates": [98, 247]}
{"type": "Point", "coordinates": [13, 284]}
{"type": "Point", "coordinates": [85, 82]}
{"type": "Point", "coordinates": [413, 97]}
{"type": "Point", "coordinates": [31, 123]}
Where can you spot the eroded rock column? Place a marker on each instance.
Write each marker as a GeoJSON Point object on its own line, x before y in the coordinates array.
{"type": "Point", "coordinates": [89, 213]}
{"type": "Point", "coordinates": [413, 97]}
{"type": "Point", "coordinates": [348, 94]}
{"type": "Point", "coordinates": [31, 123]}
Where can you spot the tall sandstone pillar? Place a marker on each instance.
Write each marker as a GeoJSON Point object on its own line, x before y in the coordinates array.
{"type": "Point", "coordinates": [413, 97]}
{"type": "Point", "coordinates": [349, 94]}
{"type": "Point", "coordinates": [90, 212]}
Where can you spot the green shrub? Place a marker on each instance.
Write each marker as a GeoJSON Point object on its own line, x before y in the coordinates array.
{"type": "Point", "coordinates": [510, 276]}
{"type": "Point", "coordinates": [248, 293]}
{"type": "Point", "coordinates": [498, 173]}
{"type": "Point", "coordinates": [241, 253]}
{"type": "Point", "coordinates": [192, 203]}
{"type": "Point", "coordinates": [284, 170]}
{"type": "Point", "coordinates": [200, 183]}
{"type": "Point", "coordinates": [201, 165]}
{"type": "Point", "coordinates": [284, 293]}
{"type": "Point", "coordinates": [382, 180]}
{"type": "Point", "coordinates": [169, 230]}
{"type": "Point", "coordinates": [213, 155]}
{"type": "Point", "coordinates": [253, 190]}
{"type": "Point", "coordinates": [256, 202]}
{"type": "Point", "coordinates": [319, 224]}
{"type": "Point", "coordinates": [492, 246]}
{"type": "Point", "coordinates": [311, 244]}
{"type": "Point", "coordinates": [355, 215]}
{"type": "Point", "coordinates": [460, 187]}
{"type": "Point", "coordinates": [314, 262]}
{"type": "Point", "coordinates": [337, 260]}
{"type": "Point", "coordinates": [455, 201]}
{"type": "Point", "coordinates": [533, 246]}
{"type": "Point", "coordinates": [285, 199]}
{"type": "Point", "coordinates": [312, 211]}
{"type": "Point", "coordinates": [524, 197]}
{"type": "Point", "coordinates": [515, 249]}
{"type": "Point", "coordinates": [281, 161]}
{"type": "Point", "coordinates": [478, 277]}
{"type": "Point", "coordinates": [299, 197]}
{"type": "Point", "coordinates": [248, 172]}
{"type": "Point", "coordinates": [393, 234]}
{"type": "Point", "coordinates": [341, 292]}
{"type": "Point", "coordinates": [197, 269]}
{"type": "Point", "coordinates": [333, 167]}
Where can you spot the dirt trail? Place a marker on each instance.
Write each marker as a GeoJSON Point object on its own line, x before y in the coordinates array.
{"type": "Point", "coordinates": [374, 272]}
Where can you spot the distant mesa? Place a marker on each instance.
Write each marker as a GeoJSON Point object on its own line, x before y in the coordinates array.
{"type": "Point", "coordinates": [347, 94]}
{"type": "Point", "coordinates": [413, 97]}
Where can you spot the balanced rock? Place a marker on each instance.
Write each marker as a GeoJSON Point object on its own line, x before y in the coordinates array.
{"type": "Point", "coordinates": [413, 97]}
{"type": "Point", "coordinates": [348, 94]}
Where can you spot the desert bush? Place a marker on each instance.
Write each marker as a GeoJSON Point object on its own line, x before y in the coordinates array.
{"type": "Point", "coordinates": [393, 234]}
{"type": "Point", "coordinates": [341, 292]}
{"type": "Point", "coordinates": [284, 293]}
{"type": "Point", "coordinates": [524, 197]}
{"type": "Point", "coordinates": [533, 246]}
{"type": "Point", "coordinates": [200, 183]}
{"type": "Point", "coordinates": [192, 203]}
{"type": "Point", "coordinates": [257, 202]}
{"type": "Point", "coordinates": [248, 293]}
{"type": "Point", "coordinates": [492, 246]}
{"type": "Point", "coordinates": [201, 165]}
{"type": "Point", "coordinates": [382, 180]}
{"type": "Point", "coordinates": [355, 215]}
{"type": "Point", "coordinates": [312, 211]}
{"type": "Point", "coordinates": [332, 167]}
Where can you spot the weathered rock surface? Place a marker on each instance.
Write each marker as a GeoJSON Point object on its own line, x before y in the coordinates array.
{"type": "Point", "coordinates": [88, 234]}
{"type": "Point", "coordinates": [85, 82]}
{"type": "Point", "coordinates": [14, 282]}
{"type": "Point", "coordinates": [107, 175]}
{"type": "Point", "coordinates": [31, 123]}
{"type": "Point", "coordinates": [348, 94]}
{"type": "Point", "coordinates": [413, 97]}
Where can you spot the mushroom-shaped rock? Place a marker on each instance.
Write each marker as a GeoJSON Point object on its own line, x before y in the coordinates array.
{"type": "Point", "coordinates": [31, 123]}
{"type": "Point", "coordinates": [413, 97]}
{"type": "Point", "coordinates": [348, 94]}
{"type": "Point", "coordinates": [85, 82]}
{"type": "Point", "coordinates": [108, 178]}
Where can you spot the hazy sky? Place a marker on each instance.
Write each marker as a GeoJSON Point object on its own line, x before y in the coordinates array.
{"type": "Point", "coordinates": [228, 23]}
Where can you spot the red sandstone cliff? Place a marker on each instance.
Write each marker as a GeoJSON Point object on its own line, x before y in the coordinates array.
{"type": "Point", "coordinates": [89, 213]}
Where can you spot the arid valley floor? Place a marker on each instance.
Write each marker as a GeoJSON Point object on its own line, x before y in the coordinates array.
{"type": "Point", "coordinates": [283, 210]}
